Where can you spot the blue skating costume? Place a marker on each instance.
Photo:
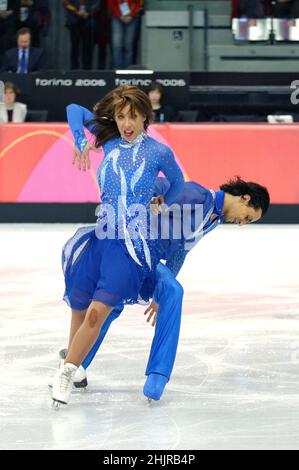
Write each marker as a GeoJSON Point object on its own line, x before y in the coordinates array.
{"type": "Point", "coordinates": [168, 292]}
{"type": "Point", "coordinates": [115, 268]}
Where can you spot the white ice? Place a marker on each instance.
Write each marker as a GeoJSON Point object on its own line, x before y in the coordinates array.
{"type": "Point", "coordinates": [235, 383]}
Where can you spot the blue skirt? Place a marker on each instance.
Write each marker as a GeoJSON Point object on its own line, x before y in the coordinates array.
{"type": "Point", "coordinates": [102, 270]}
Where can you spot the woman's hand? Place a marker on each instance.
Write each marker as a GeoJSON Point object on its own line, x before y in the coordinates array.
{"type": "Point", "coordinates": [126, 19]}
{"type": "Point", "coordinates": [156, 202]}
{"type": "Point", "coordinates": [82, 160]}
{"type": "Point", "coordinates": [152, 312]}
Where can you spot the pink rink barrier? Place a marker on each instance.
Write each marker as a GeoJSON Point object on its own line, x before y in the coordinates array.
{"type": "Point", "coordinates": [36, 159]}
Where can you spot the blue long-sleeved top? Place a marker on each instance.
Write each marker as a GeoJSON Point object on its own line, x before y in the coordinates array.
{"type": "Point", "coordinates": [178, 243]}
{"type": "Point", "coordinates": [127, 176]}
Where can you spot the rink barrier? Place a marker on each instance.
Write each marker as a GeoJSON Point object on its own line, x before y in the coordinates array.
{"type": "Point", "coordinates": [36, 169]}
{"type": "Point", "coordinates": [84, 213]}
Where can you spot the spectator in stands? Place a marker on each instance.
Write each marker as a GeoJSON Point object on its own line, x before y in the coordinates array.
{"type": "Point", "coordinates": [35, 15]}
{"type": "Point", "coordinates": [80, 19]}
{"type": "Point", "coordinates": [7, 24]}
{"type": "Point", "coordinates": [11, 110]}
{"type": "Point", "coordinates": [125, 23]}
{"type": "Point", "coordinates": [286, 9]}
{"type": "Point", "coordinates": [103, 33]}
{"type": "Point", "coordinates": [24, 58]}
{"type": "Point", "coordinates": [161, 112]}
{"type": "Point", "coordinates": [137, 34]}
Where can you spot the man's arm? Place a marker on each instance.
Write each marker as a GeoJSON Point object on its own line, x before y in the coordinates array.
{"type": "Point", "coordinates": [40, 60]}
{"type": "Point", "coordinates": [5, 63]}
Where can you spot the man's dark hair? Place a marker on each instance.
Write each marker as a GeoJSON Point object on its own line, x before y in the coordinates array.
{"type": "Point", "coordinates": [259, 195]}
{"type": "Point", "coordinates": [22, 31]}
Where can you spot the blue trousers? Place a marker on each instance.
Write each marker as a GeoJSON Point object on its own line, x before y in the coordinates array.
{"type": "Point", "coordinates": [123, 37]}
{"type": "Point", "coordinates": [169, 295]}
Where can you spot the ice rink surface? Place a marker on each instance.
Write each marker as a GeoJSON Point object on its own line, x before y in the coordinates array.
{"type": "Point", "coordinates": [236, 380]}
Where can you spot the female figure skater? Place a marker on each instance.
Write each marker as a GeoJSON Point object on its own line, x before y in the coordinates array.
{"type": "Point", "coordinates": [126, 176]}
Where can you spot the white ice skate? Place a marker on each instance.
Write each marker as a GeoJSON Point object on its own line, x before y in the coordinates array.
{"type": "Point", "coordinates": [80, 378]}
{"type": "Point", "coordinates": [62, 383]}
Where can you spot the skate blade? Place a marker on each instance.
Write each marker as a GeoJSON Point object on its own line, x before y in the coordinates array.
{"type": "Point", "coordinates": [79, 385]}
{"type": "Point", "coordinates": [151, 400]}
{"type": "Point", "coordinates": [56, 405]}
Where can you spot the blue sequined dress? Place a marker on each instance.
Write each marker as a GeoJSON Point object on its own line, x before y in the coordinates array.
{"type": "Point", "coordinates": [119, 252]}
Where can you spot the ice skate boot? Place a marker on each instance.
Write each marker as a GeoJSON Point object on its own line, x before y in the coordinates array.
{"type": "Point", "coordinates": [154, 386]}
{"type": "Point", "coordinates": [80, 378]}
{"type": "Point", "coordinates": [62, 383]}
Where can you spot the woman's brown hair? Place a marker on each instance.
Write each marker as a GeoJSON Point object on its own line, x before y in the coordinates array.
{"type": "Point", "coordinates": [104, 125]}
{"type": "Point", "coordinates": [11, 86]}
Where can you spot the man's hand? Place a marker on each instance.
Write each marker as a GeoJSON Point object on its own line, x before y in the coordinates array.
{"type": "Point", "coordinates": [152, 312]}
{"type": "Point", "coordinates": [82, 160]}
{"type": "Point", "coordinates": [156, 202]}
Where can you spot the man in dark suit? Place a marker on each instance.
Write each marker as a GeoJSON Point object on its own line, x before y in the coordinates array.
{"type": "Point", "coordinates": [23, 59]}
